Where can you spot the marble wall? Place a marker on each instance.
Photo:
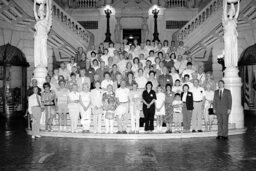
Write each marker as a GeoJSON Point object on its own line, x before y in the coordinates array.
{"type": "Point", "coordinates": [21, 38]}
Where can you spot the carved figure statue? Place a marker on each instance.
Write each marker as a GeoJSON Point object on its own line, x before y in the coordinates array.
{"type": "Point", "coordinates": [42, 27]}
{"type": "Point", "coordinates": [229, 22]}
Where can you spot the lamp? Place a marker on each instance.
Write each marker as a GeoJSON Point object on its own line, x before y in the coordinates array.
{"type": "Point", "coordinates": [108, 12]}
{"type": "Point", "coordinates": [155, 13]}
{"type": "Point", "coordinates": [220, 59]}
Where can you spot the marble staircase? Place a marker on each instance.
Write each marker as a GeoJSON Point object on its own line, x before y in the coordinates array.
{"type": "Point", "coordinates": [206, 27]}
{"type": "Point", "coordinates": [66, 34]}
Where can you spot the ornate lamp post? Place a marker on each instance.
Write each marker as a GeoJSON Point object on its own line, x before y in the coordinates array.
{"type": "Point", "coordinates": [155, 34]}
{"type": "Point", "coordinates": [221, 61]}
{"type": "Point", "coordinates": [108, 12]}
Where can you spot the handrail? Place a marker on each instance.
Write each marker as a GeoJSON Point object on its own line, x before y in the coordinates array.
{"type": "Point", "coordinates": [71, 23]}
{"type": "Point", "coordinates": [176, 3]}
{"type": "Point", "coordinates": [85, 4]}
{"type": "Point", "coordinates": [200, 18]}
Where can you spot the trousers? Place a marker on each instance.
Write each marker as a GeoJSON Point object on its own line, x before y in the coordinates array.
{"type": "Point", "coordinates": [135, 116]}
{"type": "Point", "coordinates": [122, 116]}
{"type": "Point", "coordinates": [149, 115]}
{"type": "Point", "coordinates": [86, 118]}
{"type": "Point", "coordinates": [187, 114]}
{"type": "Point", "coordinates": [36, 114]}
{"type": "Point", "coordinates": [197, 116]}
{"type": "Point", "coordinates": [74, 109]}
{"type": "Point", "coordinates": [222, 124]}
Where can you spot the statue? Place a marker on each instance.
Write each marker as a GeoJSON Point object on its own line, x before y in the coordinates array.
{"type": "Point", "coordinates": [229, 22]}
{"type": "Point", "coordinates": [42, 28]}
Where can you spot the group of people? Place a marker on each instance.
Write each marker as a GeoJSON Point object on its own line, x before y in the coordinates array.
{"type": "Point", "coordinates": [123, 83]}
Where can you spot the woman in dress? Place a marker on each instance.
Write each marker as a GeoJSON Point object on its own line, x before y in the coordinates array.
{"type": "Point", "coordinates": [148, 99]}
{"type": "Point", "coordinates": [153, 80]}
{"type": "Point", "coordinates": [130, 80]}
{"type": "Point", "coordinates": [160, 108]}
{"type": "Point", "coordinates": [48, 101]}
{"type": "Point", "coordinates": [109, 107]}
{"type": "Point", "coordinates": [85, 106]}
{"type": "Point", "coordinates": [169, 97]}
{"type": "Point", "coordinates": [208, 119]}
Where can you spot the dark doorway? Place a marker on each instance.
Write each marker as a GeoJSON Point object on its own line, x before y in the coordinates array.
{"type": "Point", "coordinates": [131, 35]}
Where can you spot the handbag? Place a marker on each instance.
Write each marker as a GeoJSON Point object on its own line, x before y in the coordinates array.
{"type": "Point", "coordinates": [110, 115]}
{"type": "Point", "coordinates": [210, 110]}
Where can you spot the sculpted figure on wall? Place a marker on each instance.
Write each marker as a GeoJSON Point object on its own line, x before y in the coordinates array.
{"type": "Point", "coordinates": [229, 22]}
{"type": "Point", "coordinates": [42, 27]}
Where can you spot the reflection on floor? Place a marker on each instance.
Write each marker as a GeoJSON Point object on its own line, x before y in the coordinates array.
{"type": "Point", "coordinates": [19, 152]}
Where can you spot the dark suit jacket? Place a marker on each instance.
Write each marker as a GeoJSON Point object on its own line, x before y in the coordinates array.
{"type": "Point", "coordinates": [189, 100]}
{"type": "Point", "coordinates": [223, 104]}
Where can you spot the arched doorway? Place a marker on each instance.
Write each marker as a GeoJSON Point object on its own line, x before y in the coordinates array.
{"type": "Point", "coordinates": [13, 81]}
{"type": "Point", "coordinates": [247, 67]}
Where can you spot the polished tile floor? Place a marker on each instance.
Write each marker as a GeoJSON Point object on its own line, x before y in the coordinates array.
{"type": "Point", "coordinates": [19, 152]}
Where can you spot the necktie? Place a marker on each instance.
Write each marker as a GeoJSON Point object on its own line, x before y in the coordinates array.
{"type": "Point", "coordinates": [220, 94]}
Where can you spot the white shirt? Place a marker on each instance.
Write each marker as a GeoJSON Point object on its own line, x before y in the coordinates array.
{"type": "Point", "coordinates": [122, 94]}
{"type": "Point", "coordinates": [175, 76]}
{"type": "Point", "coordinates": [177, 109]}
{"type": "Point", "coordinates": [122, 65]}
{"type": "Point", "coordinates": [180, 65]}
{"type": "Point", "coordinates": [85, 97]}
{"type": "Point", "coordinates": [177, 89]}
{"type": "Point", "coordinates": [105, 58]}
{"type": "Point", "coordinates": [142, 81]}
{"type": "Point", "coordinates": [111, 51]}
{"type": "Point", "coordinates": [209, 95]}
{"type": "Point", "coordinates": [201, 78]}
{"type": "Point", "coordinates": [184, 97]}
{"type": "Point", "coordinates": [74, 96]}
{"type": "Point", "coordinates": [152, 59]}
{"type": "Point", "coordinates": [160, 99]}
{"type": "Point", "coordinates": [96, 97]}
{"type": "Point", "coordinates": [69, 66]}
{"type": "Point", "coordinates": [105, 83]}
{"type": "Point", "coordinates": [198, 93]}
{"type": "Point", "coordinates": [188, 72]}
{"type": "Point", "coordinates": [32, 101]}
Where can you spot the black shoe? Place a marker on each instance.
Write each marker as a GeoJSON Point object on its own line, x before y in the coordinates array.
{"type": "Point", "coordinates": [193, 131]}
{"type": "Point", "coordinates": [119, 132]}
{"type": "Point", "coordinates": [200, 130]}
{"type": "Point", "coordinates": [224, 138]}
{"type": "Point", "coordinates": [219, 137]}
{"type": "Point", "coordinates": [124, 132]}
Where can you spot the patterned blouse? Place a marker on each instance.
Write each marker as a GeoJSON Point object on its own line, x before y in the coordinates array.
{"type": "Point", "coordinates": [48, 98]}
{"type": "Point", "coordinates": [109, 101]}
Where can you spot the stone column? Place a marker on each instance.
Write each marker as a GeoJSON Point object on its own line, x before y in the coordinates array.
{"type": "Point", "coordinates": [233, 83]}
{"type": "Point", "coordinates": [118, 30]}
{"type": "Point", "coordinates": [145, 29]}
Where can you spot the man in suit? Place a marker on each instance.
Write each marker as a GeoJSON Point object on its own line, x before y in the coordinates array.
{"type": "Point", "coordinates": [222, 104]}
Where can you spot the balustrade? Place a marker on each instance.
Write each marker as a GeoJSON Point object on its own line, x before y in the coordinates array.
{"type": "Point", "coordinates": [176, 3]}
{"type": "Point", "coordinates": [71, 23]}
{"type": "Point", "coordinates": [85, 4]}
{"type": "Point", "coordinates": [200, 18]}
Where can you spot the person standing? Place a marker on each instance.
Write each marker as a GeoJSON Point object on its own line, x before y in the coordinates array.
{"type": "Point", "coordinates": [122, 110]}
{"type": "Point", "coordinates": [85, 101]}
{"type": "Point", "coordinates": [74, 107]}
{"type": "Point", "coordinates": [35, 109]}
{"type": "Point", "coordinates": [62, 101]}
{"type": "Point", "coordinates": [160, 108]}
{"type": "Point", "coordinates": [199, 98]}
{"type": "Point", "coordinates": [135, 108]}
{"type": "Point", "coordinates": [187, 99]}
{"type": "Point", "coordinates": [109, 106]}
{"type": "Point", "coordinates": [222, 103]}
{"type": "Point", "coordinates": [165, 78]}
{"type": "Point", "coordinates": [148, 99]}
{"type": "Point", "coordinates": [97, 111]}
{"type": "Point", "coordinates": [49, 101]}
{"type": "Point", "coordinates": [169, 97]}
{"type": "Point", "coordinates": [83, 79]}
